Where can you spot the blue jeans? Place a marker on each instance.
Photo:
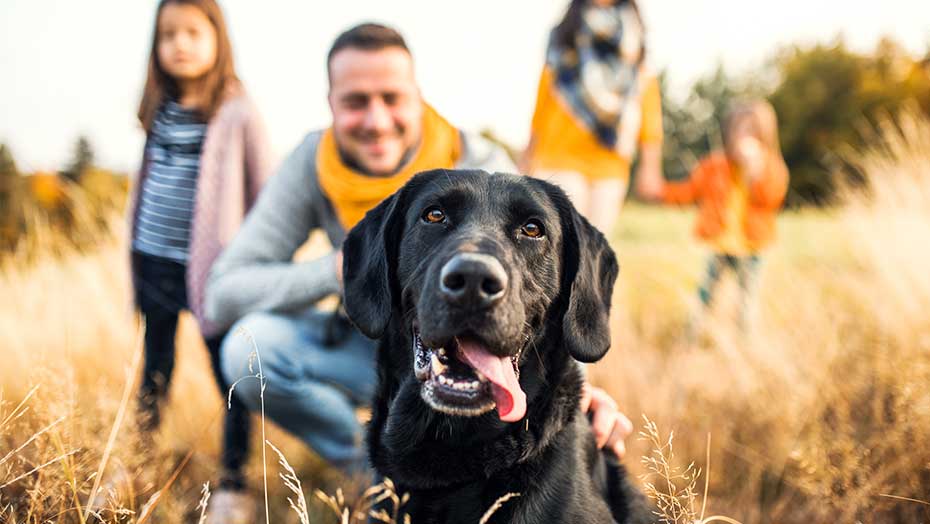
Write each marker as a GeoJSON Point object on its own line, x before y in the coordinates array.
{"type": "Point", "coordinates": [311, 389]}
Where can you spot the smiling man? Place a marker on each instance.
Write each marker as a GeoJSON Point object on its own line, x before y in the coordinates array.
{"type": "Point", "coordinates": [376, 107]}
{"type": "Point", "coordinates": [318, 368]}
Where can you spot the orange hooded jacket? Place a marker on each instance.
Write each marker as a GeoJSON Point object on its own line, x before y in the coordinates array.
{"type": "Point", "coordinates": [710, 184]}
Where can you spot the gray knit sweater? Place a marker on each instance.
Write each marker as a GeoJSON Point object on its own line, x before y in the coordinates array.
{"type": "Point", "coordinates": [256, 272]}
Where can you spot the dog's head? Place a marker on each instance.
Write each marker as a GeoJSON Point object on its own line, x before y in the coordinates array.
{"type": "Point", "coordinates": [477, 270]}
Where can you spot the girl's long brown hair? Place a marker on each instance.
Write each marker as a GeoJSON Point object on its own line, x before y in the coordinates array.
{"type": "Point", "coordinates": [218, 83]}
{"type": "Point", "coordinates": [765, 123]}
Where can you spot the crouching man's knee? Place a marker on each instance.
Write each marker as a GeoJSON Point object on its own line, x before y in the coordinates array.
{"type": "Point", "coordinates": [259, 343]}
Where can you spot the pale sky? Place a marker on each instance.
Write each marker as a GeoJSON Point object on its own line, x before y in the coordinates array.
{"type": "Point", "coordinates": [69, 67]}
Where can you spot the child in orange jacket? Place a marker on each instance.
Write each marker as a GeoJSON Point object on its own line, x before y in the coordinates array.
{"type": "Point", "coordinates": [738, 191]}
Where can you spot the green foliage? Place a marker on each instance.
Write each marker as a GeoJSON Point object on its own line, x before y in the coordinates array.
{"type": "Point", "coordinates": [79, 202]}
{"type": "Point", "coordinates": [11, 219]}
{"type": "Point", "coordinates": [692, 126]}
{"type": "Point", "coordinates": [828, 100]}
{"type": "Point", "coordinates": [7, 164]}
{"type": "Point", "coordinates": [83, 159]}
{"type": "Point", "coordinates": [827, 97]}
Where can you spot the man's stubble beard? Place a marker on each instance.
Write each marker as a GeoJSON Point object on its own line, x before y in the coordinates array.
{"type": "Point", "coordinates": [353, 163]}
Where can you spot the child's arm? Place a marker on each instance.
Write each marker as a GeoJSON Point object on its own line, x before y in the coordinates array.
{"type": "Point", "coordinates": [685, 191]}
{"type": "Point", "coordinates": [649, 173]}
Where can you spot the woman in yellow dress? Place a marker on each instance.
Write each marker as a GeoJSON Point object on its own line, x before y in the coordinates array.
{"type": "Point", "coordinates": [595, 104]}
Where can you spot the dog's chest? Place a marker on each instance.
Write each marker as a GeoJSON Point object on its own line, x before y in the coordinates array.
{"type": "Point", "coordinates": [465, 506]}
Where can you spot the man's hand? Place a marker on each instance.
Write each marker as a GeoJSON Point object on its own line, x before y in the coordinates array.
{"type": "Point", "coordinates": [610, 426]}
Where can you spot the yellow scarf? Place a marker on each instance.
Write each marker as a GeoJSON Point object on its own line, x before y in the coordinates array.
{"type": "Point", "coordinates": [353, 193]}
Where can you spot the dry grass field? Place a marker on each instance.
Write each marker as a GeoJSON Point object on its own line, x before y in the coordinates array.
{"type": "Point", "coordinates": [819, 413]}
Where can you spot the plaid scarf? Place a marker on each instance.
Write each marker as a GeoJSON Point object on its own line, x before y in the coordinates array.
{"type": "Point", "coordinates": [598, 76]}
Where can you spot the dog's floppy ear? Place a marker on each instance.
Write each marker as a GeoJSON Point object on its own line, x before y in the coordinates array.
{"type": "Point", "coordinates": [367, 267]}
{"type": "Point", "coordinates": [590, 270]}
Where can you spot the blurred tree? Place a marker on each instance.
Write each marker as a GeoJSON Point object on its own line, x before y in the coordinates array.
{"type": "Point", "coordinates": [827, 97]}
{"type": "Point", "coordinates": [828, 100]}
{"type": "Point", "coordinates": [79, 203]}
{"type": "Point", "coordinates": [11, 215]}
{"type": "Point", "coordinates": [7, 164]}
{"type": "Point", "coordinates": [103, 192]}
{"type": "Point", "coordinates": [82, 160]}
{"type": "Point", "coordinates": [692, 125]}
{"type": "Point", "coordinates": [47, 190]}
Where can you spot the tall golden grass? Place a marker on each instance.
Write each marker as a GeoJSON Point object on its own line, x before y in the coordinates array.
{"type": "Point", "coordinates": [820, 413]}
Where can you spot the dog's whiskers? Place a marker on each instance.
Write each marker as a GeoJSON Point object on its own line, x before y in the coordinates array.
{"type": "Point", "coordinates": [532, 344]}
{"type": "Point", "coordinates": [417, 270]}
{"type": "Point", "coordinates": [408, 315]}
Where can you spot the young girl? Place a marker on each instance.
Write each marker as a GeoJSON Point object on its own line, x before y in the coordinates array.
{"type": "Point", "coordinates": [595, 103]}
{"type": "Point", "coordinates": [738, 191]}
{"type": "Point", "coordinates": [206, 157]}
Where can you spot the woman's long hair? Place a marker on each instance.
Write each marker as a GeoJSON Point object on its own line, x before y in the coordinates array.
{"type": "Point", "coordinates": [570, 24]}
{"type": "Point", "coordinates": [218, 82]}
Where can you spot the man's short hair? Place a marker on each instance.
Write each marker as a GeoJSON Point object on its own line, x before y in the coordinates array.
{"type": "Point", "coordinates": [368, 37]}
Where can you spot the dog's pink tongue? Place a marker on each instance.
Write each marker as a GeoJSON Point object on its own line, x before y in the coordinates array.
{"type": "Point", "coordinates": [510, 398]}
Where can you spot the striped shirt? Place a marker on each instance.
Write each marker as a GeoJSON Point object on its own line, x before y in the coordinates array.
{"type": "Point", "coordinates": [166, 205]}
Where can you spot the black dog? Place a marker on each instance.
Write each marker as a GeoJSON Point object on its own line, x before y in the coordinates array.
{"type": "Point", "coordinates": [485, 289]}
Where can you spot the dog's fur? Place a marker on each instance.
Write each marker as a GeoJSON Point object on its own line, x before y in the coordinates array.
{"type": "Point", "coordinates": [554, 312]}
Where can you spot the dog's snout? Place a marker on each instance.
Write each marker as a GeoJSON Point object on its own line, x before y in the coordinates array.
{"type": "Point", "coordinates": [473, 280]}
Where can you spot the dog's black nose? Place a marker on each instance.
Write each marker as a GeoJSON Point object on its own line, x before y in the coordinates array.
{"type": "Point", "coordinates": [473, 280]}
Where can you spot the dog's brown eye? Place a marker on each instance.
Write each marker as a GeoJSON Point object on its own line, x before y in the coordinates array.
{"type": "Point", "coordinates": [532, 229]}
{"type": "Point", "coordinates": [434, 215]}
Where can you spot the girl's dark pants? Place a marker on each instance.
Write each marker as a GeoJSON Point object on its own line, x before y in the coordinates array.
{"type": "Point", "coordinates": [161, 294]}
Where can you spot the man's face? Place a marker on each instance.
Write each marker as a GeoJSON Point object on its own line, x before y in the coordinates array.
{"type": "Point", "coordinates": [376, 106]}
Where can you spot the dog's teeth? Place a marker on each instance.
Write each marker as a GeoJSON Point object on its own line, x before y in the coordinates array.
{"type": "Point", "coordinates": [475, 384]}
{"type": "Point", "coordinates": [438, 367]}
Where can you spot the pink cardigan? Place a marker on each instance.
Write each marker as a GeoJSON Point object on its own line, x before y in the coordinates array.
{"type": "Point", "coordinates": [235, 162]}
